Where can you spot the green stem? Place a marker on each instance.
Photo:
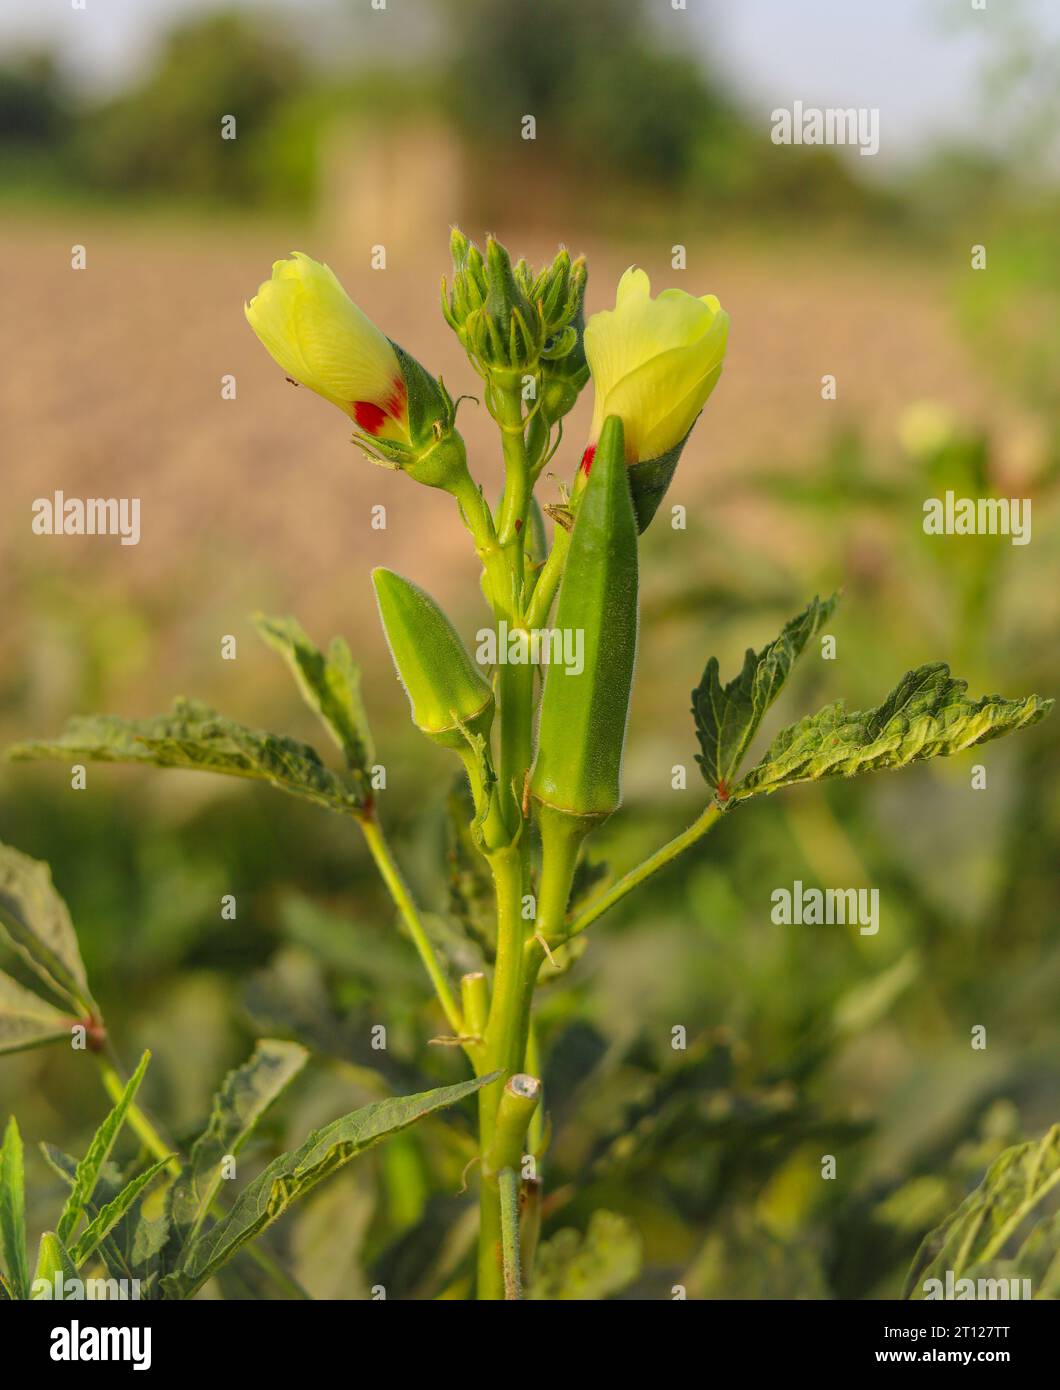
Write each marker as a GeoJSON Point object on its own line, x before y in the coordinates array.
{"type": "Point", "coordinates": [508, 1184]}
{"type": "Point", "coordinates": [498, 1052]}
{"type": "Point", "coordinates": [515, 686]}
{"type": "Point", "coordinates": [511, 523]}
{"type": "Point", "coordinates": [652, 865]}
{"type": "Point", "coordinates": [399, 891]}
{"type": "Point", "coordinates": [479, 521]}
{"type": "Point", "coordinates": [549, 578]}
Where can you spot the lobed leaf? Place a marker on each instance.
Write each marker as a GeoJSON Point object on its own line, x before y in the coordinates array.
{"type": "Point", "coordinates": [36, 921]}
{"type": "Point", "coordinates": [291, 1175]}
{"type": "Point", "coordinates": [990, 1220]}
{"type": "Point", "coordinates": [197, 737]}
{"type": "Point", "coordinates": [13, 1212]}
{"type": "Point", "coordinates": [727, 717]}
{"type": "Point", "coordinates": [330, 686]}
{"type": "Point", "coordinates": [927, 715]}
{"type": "Point", "coordinates": [244, 1097]}
{"type": "Point", "coordinates": [26, 1020]}
{"type": "Point", "coordinates": [90, 1167]}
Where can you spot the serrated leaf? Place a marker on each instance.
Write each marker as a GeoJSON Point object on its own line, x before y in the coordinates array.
{"type": "Point", "coordinates": [988, 1222]}
{"type": "Point", "coordinates": [26, 1020]}
{"type": "Point", "coordinates": [36, 921]}
{"type": "Point", "coordinates": [196, 737]}
{"type": "Point", "coordinates": [927, 715]}
{"type": "Point", "coordinates": [13, 1211]}
{"type": "Point", "coordinates": [108, 1188]}
{"type": "Point", "coordinates": [109, 1215]}
{"type": "Point", "coordinates": [591, 1266]}
{"type": "Point", "coordinates": [727, 717]}
{"type": "Point", "coordinates": [330, 686]}
{"type": "Point", "coordinates": [245, 1095]}
{"type": "Point", "coordinates": [291, 1175]}
{"type": "Point", "coordinates": [90, 1167]}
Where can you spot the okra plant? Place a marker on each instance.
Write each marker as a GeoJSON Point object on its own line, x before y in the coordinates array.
{"type": "Point", "coordinates": [540, 735]}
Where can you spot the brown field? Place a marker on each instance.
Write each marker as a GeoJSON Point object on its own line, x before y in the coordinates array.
{"type": "Point", "coordinates": [112, 388]}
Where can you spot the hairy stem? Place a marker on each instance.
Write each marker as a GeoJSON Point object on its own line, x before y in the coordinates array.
{"type": "Point", "coordinates": [549, 578]}
{"type": "Point", "coordinates": [508, 1184]}
{"type": "Point", "coordinates": [403, 901]}
{"type": "Point", "coordinates": [642, 872]}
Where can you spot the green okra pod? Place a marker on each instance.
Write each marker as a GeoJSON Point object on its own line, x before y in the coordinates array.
{"type": "Point", "coordinates": [583, 714]}
{"type": "Point", "coordinates": [447, 693]}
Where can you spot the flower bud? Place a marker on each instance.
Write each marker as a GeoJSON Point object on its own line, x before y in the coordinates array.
{"type": "Point", "coordinates": [513, 320]}
{"type": "Point", "coordinates": [446, 691]}
{"type": "Point", "coordinates": [564, 369]}
{"type": "Point", "coordinates": [654, 362]}
{"type": "Point", "coordinates": [403, 417]}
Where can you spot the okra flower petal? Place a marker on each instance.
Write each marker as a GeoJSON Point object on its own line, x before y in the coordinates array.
{"type": "Point", "coordinates": [322, 340]}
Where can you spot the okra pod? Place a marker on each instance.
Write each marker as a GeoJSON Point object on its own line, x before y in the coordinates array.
{"type": "Point", "coordinates": [583, 715]}
{"type": "Point", "coordinates": [447, 693]}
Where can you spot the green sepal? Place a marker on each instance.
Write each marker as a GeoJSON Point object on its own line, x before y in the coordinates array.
{"type": "Point", "coordinates": [649, 480]}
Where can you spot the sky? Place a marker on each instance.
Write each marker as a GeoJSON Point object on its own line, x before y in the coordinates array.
{"type": "Point", "coordinates": [916, 60]}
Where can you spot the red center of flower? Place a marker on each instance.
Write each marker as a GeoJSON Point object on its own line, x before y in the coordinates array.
{"type": "Point", "coordinates": [371, 417]}
{"type": "Point", "coordinates": [587, 459]}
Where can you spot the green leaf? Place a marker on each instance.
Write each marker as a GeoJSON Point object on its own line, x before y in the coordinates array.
{"type": "Point", "coordinates": [330, 686]}
{"type": "Point", "coordinates": [26, 1020]}
{"type": "Point", "coordinates": [36, 922]}
{"type": "Point", "coordinates": [591, 1266]}
{"type": "Point", "coordinates": [13, 1211]}
{"type": "Point", "coordinates": [987, 1225]}
{"type": "Point", "coordinates": [927, 715]}
{"type": "Point", "coordinates": [109, 1215]}
{"type": "Point", "coordinates": [291, 1175]}
{"type": "Point", "coordinates": [727, 717]}
{"type": "Point", "coordinates": [195, 736]}
{"type": "Point", "coordinates": [88, 1170]}
{"type": "Point", "coordinates": [245, 1095]}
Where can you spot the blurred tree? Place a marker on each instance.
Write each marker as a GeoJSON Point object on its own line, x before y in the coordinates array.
{"type": "Point", "coordinates": [594, 73]}
{"type": "Point", "coordinates": [166, 132]}
{"type": "Point", "coordinates": [34, 101]}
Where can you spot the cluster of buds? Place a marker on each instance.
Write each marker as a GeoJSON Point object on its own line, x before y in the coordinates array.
{"type": "Point", "coordinates": [513, 321]}
{"type": "Point", "coordinates": [654, 362]}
